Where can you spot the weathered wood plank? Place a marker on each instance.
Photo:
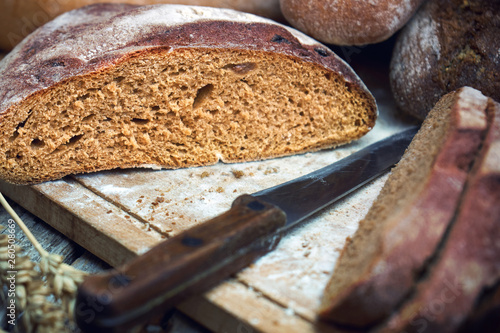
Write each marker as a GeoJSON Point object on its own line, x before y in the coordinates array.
{"type": "Point", "coordinates": [108, 232]}
{"type": "Point", "coordinates": [233, 307]}
{"type": "Point", "coordinates": [51, 240]}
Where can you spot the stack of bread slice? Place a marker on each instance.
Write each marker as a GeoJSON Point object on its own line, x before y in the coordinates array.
{"type": "Point", "coordinates": [428, 249]}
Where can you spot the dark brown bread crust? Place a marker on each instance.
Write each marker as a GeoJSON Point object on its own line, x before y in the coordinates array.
{"type": "Point", "coordinates": [348, 22]}
{"type": "Point", "coordinates": [469, 261]}
{"type": "Point", "coordinates": [447, 45]}
{"type": "Point", "coordinates": [403, 233]}
{"type": "Point", "coordinates": [19, 18]}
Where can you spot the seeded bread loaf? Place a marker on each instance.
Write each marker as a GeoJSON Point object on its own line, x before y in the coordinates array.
{"type": "Point", "coordinates": [19, 18]}
{"type": "Point", "coordinates": [448, 44]}
{"type": "Point", "coordinates": [117, 86]}
{"type": "Point", "coordinates": [349, 22]}
{"type": "Point", "coordinates": [381, 262]}
{"type": "Point", "coordinates": [468, 263]}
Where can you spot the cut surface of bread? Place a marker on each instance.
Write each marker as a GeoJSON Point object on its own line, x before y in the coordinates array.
{"type": "Point", "coordinates": [380, 263]}
{"type": "Point", "coordinates": [468, 263]}
{"type": "Point", "coordinates": [115, 86]}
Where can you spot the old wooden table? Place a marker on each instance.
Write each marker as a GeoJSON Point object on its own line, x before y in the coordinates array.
{"type": "Point", "coordinates": [76, 256]}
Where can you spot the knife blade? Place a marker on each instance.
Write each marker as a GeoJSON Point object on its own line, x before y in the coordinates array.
{"type": "Point", "coordinates": [202, 256]}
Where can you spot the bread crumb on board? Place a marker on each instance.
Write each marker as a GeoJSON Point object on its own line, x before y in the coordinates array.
{"type": "Point", "coordinates": [271, 170]}
{"type": "Point", "coordinates": [238, 173]}
{"type": "Point", "coordinates": [204, 174]}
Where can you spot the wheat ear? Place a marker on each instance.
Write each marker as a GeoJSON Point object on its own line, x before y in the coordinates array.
{"type": "Point", "coordinates": [45, 292]}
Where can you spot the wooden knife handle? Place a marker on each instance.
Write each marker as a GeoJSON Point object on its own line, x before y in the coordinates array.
{"type": "Point", "coordinates": [177, 268]}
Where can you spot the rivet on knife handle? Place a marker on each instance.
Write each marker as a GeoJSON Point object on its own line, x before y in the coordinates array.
{"type": "Point", "coordinates": [180, 267]}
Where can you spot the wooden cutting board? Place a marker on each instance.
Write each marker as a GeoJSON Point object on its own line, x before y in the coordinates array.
{"type": "Point", "coordinates": [119, 214]}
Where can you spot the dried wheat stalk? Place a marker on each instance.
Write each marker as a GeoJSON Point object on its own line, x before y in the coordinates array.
{"type": "Point", "coordinates": [45, 291]}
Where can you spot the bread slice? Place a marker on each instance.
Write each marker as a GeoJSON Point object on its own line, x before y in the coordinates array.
{"type": "Point", "coordinates": [381, 262]}
{"type": "Point", "coordinates": [117, 86]}
{"type": "Point", "coordinates": [469, 261]}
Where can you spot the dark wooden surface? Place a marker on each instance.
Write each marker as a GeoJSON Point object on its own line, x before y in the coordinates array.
{"type": "Point", "coordinates": [78, 257]}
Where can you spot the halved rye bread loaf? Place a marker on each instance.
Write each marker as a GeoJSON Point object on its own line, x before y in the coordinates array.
{"type": "Point", "coordinates": [380, 263]}
{"type": "Point", "coordinates": [468, 263]}
{"type": "Point", "coordinates": [110, 86]}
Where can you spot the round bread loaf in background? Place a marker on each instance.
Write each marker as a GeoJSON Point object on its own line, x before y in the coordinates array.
{"type": "Point", "coordinates": [447, 45]}
{"type": "Point", "coordinates": [19, 18]}
{"type": "Point", "coordinates": [349, 22]}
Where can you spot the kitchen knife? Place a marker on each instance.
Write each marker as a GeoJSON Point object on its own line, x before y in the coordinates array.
{"type": "Point", "coordinates": [202, 256]}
